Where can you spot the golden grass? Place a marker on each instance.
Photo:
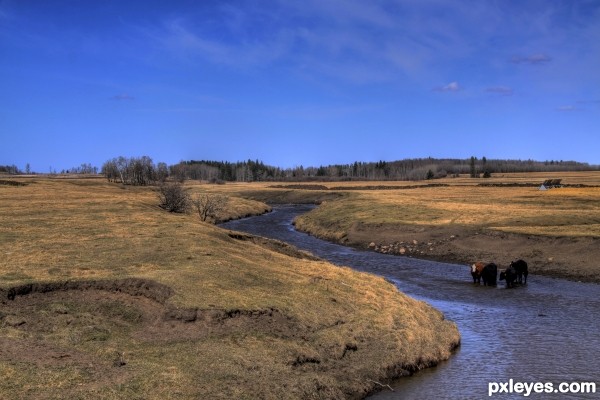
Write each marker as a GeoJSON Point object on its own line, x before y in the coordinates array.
{"type": "Point", "coordinates": [80, 229]}
{"type": "Point", "coordinates": [570, 212]}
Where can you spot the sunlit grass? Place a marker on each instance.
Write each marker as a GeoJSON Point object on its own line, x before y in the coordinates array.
{"type": "Point", "coordinates": [556, 212]}
{"type": "Point", "coordinates": [60, 229]}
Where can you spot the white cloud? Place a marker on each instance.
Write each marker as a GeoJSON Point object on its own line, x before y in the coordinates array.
{"type": "Point", "coordinates": [451, 87]}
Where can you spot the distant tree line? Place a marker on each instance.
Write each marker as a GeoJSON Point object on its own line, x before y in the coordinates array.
{"type": "Point", "coordinates": [216, 171]}
{"type": "Point", "coordinates": [10, 170]}
{"type": "Point", "coordinates": [408, 169]}
{"type": "Point", "coordinates": [82, 169]}
{"type": "Point", "coordinates": [143, 171]}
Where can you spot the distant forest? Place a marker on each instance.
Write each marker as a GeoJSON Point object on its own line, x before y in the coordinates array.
{"type": "Point", "coordinates": [143, 171]}
{"type": "Point", "coordinates": [409, 169]}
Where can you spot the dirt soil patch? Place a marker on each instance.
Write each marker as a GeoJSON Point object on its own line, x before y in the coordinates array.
{"type": "Point", "coordinates": [95, 335]}
{"type": "Point", "coordinates": [81, 328]}
{"type": "Point", "coordinates": [96, 315]}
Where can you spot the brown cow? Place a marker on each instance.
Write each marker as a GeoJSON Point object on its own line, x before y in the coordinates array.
{"type": "Point", "coordinates": [476, 271]}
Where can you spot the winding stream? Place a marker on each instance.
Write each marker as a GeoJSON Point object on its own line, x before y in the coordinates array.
{"type": "Point", "coordinates": [547, 331]}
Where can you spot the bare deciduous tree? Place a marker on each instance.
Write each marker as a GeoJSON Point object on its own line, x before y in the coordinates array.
{"type": "Point", "coordinates": [134, 171]}
{"type": "Point", "coordinates": [162, 172]}
{"type": "Point", "coordinates": [208, 205]}
{"type": "Point", "coordinates": [173, 197]}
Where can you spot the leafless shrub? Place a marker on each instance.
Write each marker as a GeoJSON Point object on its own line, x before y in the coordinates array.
{"type": "Point", "coordinates": [208, 205]}
{"type": "Point", "coordinates": [173, 197]}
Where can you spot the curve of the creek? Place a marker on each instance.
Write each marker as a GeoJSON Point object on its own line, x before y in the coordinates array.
{"type": "Point", "coordinates": [546, 331]}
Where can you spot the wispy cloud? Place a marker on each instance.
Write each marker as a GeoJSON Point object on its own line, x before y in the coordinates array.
{"type": "Point", "coordinates": [358, 42]}
{"type": "Point", "coordinates": [451, 87]}
{"type": "Point", "coordinates": [534, 59]}
{"type": "Point", "coordinates": [569, 108]}
{"type": "Point", "coordinates": [349, 40]}
{"type": "Point", "coordinates": [122, 97]}
{"type": "Point", "coordinates": [500, 90]}
{"type": "Point", "coordinates": [581, 106]}
{"type": "Point", "coordinates": [182, 39]}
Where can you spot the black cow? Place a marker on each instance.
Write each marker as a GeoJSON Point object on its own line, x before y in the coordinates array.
{"type": "Point", "coordinates": [510, 275]}
{"type": "Point", "coordinates": [489, 274]}
{"type": "Point", "coordinates": [520, 267]}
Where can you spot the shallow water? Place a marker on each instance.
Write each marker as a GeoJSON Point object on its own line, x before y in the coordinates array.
{"type": "Point", "coordinates": [546, 331]}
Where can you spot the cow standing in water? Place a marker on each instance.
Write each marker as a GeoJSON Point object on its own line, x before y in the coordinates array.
{"type": "Point", "coordinates": [489, 274]}
{"type": "Point", "coordinates": [520, 267]}
{"type": "Point", "coordinates": [476, 270]}
{"type": "Point", "coordinates": [510, 275]}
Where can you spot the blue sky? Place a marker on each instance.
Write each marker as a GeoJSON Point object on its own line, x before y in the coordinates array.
{"type": "Point", "coordinates": [298, 82]}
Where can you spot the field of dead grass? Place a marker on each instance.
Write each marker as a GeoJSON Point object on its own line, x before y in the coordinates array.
{"type": "Point", "coordinates": [557, 229]}
{"type": "Point", "coordinates": [558, 212]}
{"type": "Point", "coordinates": [105, 295]}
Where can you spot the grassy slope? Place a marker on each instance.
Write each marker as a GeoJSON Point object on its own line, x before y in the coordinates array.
{"type": "Point", "coordinates": [357, 326]}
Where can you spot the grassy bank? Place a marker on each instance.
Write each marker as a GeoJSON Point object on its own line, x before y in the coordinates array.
{"type": "Point", "coordinates": [105, 295]}
{"type": "Point", "coordinates": [557, 230]}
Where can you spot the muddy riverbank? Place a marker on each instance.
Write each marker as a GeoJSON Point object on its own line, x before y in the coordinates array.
{"type": "Point", "coordinates": [570, 258]}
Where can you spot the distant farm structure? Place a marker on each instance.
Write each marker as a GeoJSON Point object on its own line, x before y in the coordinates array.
{"type": "Point", "coordinates": [550, 184]}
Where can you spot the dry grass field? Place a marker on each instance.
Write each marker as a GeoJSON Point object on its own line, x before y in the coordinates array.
{"type": "Point", "coordinates": [568, 212]}
{"type": "Point", "coordinates": [557, 231]}
{"type": "Point", "coordinates": [105, 295]}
